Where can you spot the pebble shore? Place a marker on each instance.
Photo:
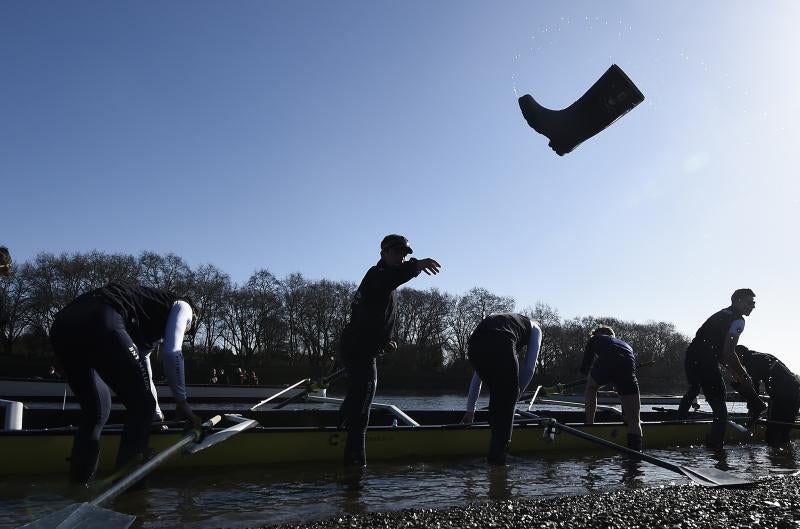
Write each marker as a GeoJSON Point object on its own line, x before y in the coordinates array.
{"type": "Point", "coordinates": [773, 503]}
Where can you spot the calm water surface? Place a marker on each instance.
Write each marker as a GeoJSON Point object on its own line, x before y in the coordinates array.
{"type": "Point", "coordinates": [245, 497]}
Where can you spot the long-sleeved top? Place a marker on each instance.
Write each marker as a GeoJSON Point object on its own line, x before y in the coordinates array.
{"type": "Point", "coordinates": [604, 346]}
{"type": "Point", "coordinates": [765, 368]}
{"type": "Point", "coordinates": [151, 316]}
{"type": "Point", "coordinates": [709, 341]}
{"type": "Point", "coordinates": [374, 306]}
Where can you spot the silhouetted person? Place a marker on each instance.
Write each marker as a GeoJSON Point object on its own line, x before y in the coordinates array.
{"type": "Point", "coordinates": [493, 350]}
{"type": "Point", "coordinates": [103, 340]}
{"type": "Point", "coordinates": [5, 261]}
{"type": "Point", "coordinates": [609, 360]}
{"type": "Point", "coordinates": [783, 388]}
{"type": "Point", "coordinates": [714, 345]}
{"type": "Point", "coordinates": [369, 332]}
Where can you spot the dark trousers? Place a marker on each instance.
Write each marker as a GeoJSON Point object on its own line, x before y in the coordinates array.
{"type": "Point", "coordinates": [707, 376]}
{"type": "Point", "coordinates": [90, 340]}
{"type": "Point", "coordinates": [691, 394]}
{"type": "Point", "coordinates": [362, 380]}
{"type": "Point", "coordinates": [784, 404]}
{"type": "Point", "coordinates": [493, 356]}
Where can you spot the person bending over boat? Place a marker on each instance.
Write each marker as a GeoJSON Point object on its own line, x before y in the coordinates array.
{"type": "Point", "coordinates": [369, 332]}
{"type": "Point", "coordinates": [609, 360]}
{"type": "Point", "coordinates": [493, 349]}
{"type": "Point", "coordinates": [714, 345]}
{"type": "Point", "coordinates": [782, 386]}
{"type": "Point", "coordinates": [103, 340]}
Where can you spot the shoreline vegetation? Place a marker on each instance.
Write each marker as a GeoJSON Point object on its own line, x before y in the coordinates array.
{"type": "Point", "coordinates": [289, 328]}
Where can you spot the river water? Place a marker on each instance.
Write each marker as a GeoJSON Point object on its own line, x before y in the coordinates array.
{"type": "Point", "coordinates": [246, 497]}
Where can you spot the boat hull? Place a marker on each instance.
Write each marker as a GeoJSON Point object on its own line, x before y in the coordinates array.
{"type": "Point", "coordinates": [46, 451]}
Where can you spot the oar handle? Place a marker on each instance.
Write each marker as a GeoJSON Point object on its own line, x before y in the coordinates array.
{"type": "Point", "coordinates": [141, 471]}
{"type": "Point", "coordinates": [609, 444]}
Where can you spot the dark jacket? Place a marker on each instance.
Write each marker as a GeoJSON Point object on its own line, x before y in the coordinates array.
{"type": "Point", "coordinates": [144, 309]}
{"type": "Point", "coordinates": [605, 348]}
{"type": "Point", "coordinates": [374, 308]}
{"type": "Point", "coordinates": [765, 368]}
{"type": "Point", "coordinates": [515, 326]}
{"type": "Point", "coordinates": [710, 338]}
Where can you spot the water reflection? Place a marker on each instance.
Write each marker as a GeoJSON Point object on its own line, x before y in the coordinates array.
{"type": "Point", "coordinates": [248, 497]}
{"type": "Point", "coordinates": [499, 485]}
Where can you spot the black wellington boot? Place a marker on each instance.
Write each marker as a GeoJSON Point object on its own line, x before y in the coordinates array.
{"type": "Point", "coordinates": [610, 98]}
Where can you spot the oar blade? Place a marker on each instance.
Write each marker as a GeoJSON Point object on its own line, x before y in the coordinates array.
{"type": "Point", "coordinates": [82, 516]}
{"type": "Point", "coordinates": [711, 477]}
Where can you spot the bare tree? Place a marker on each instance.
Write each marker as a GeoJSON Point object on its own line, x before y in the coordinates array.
{"type": "Point", "coordinates": [467, 312]}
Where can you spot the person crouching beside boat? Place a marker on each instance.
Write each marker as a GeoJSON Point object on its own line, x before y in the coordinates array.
{"type": "Point", "coordinates": [369, 333]}
{"type": "Point", "coordinates": [714, 345]}
{"type": "Point", "coordinates": [103, 340]}
{"type": "Point", "coordinates": [609, 360]}
{"type": "Point", "coordinates": [493, 350]}
{"type": "Point", "coordinates": [783, 388]}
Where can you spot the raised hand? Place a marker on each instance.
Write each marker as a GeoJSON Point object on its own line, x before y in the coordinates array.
{"type": "Point", "coordinates": [429, 266]}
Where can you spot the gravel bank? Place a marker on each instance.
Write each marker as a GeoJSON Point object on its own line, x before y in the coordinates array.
{"type": "Point", "coordinates": [774, 503]}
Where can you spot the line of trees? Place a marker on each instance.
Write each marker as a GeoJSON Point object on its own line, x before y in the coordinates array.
{"type": "Point", "coordinates": [275, 323]}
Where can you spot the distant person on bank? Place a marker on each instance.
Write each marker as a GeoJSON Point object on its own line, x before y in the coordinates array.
{"type": "Point", "coordinates": [5, 262]}
{"type": "Point", "coordinates": [609, 360]}
{"type": "Point", "coordinates": [783, 388]}
{"type": "Point", "coordinates": [713, 346]}
{"type": "Point", "coordinates": [493, 350]}
{"type": "Point", "coordinates": [103, 339]}
{"type": "Point", "coordinates": [369, 333]}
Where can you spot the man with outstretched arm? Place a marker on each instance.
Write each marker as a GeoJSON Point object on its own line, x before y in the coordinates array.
{"type": "Point", "coordinates": [609, 360]}
{"type": "Point", "coordinates": [369, 332]}
{"type": "Point", "coordinates": [714, 345]}
{"type": "Point", "coordinates": [493, 350]}
{"type": "Point", "coordinates": [782, 386]}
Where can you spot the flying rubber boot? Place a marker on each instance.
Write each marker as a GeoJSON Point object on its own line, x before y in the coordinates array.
{"type": "Point", "coordinates": [610, 98]}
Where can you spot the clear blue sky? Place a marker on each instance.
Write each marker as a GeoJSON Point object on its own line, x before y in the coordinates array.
{"type": "Point", "coordinates": [294, 135]}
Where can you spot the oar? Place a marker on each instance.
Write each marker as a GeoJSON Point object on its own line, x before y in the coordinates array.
{"type": "Point", "coordinates": [281, 392]}
{"type": "Point", "coordinates": [779, 423]}
{"type": "Point", "coordinates": [735, 425]}
{"type": "Point", "coordinates": [89, 515]}
{"type": "Point", "coordinates": [568, 404]}
{"type": "Point", "coordinates": [559, 388]}
{"type": "Point", "coordinates": [706, 477]}
{"type": "Point", "coordinates": [322, 383]}
{"type": "Point", "coordinates": [241, 425]}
